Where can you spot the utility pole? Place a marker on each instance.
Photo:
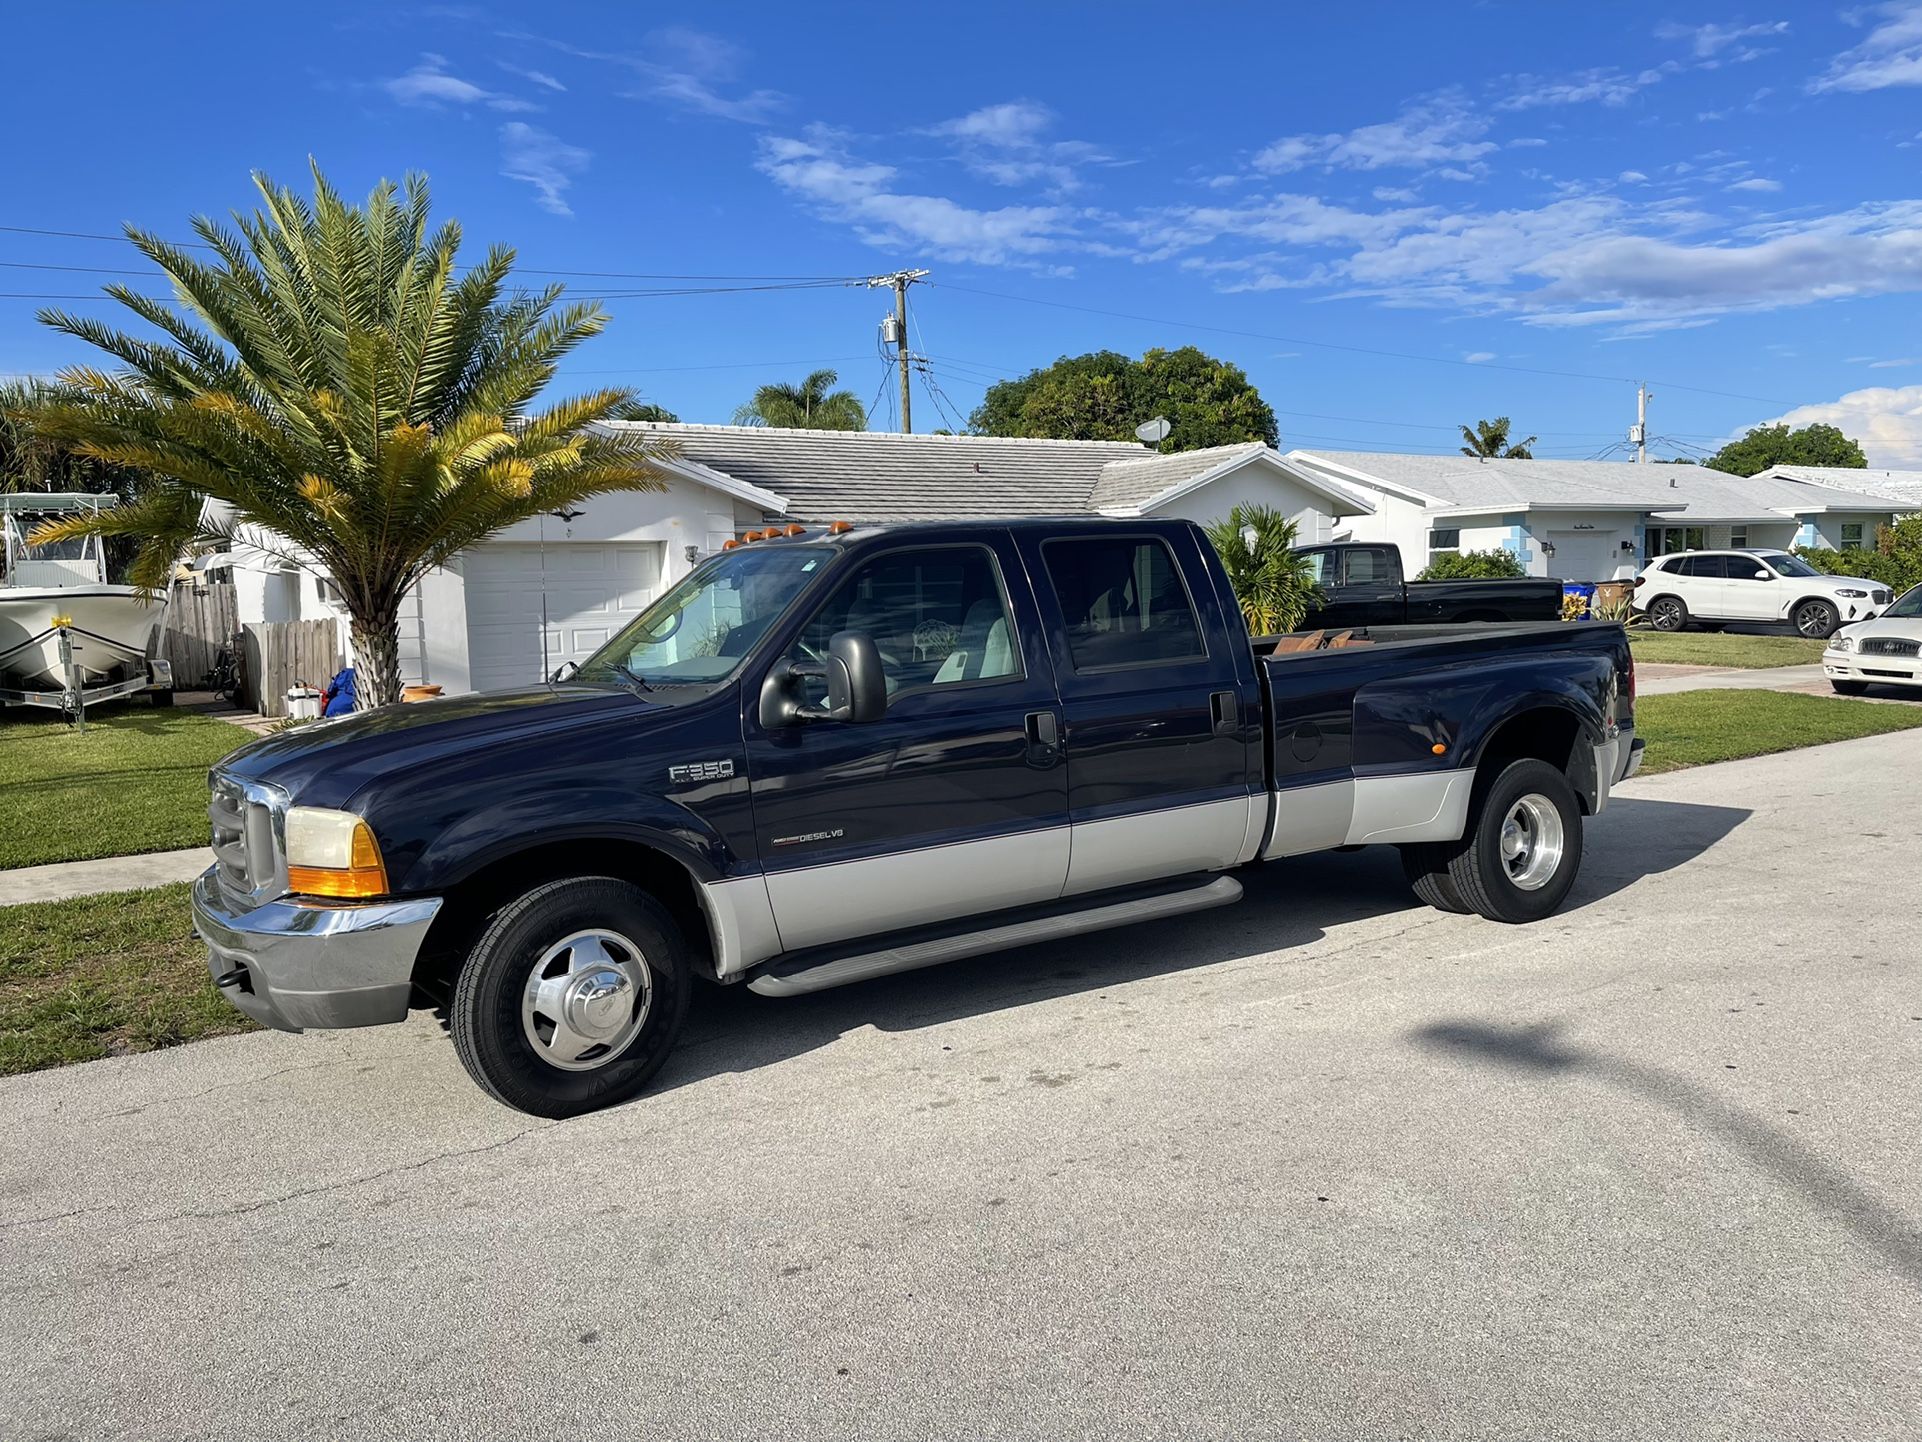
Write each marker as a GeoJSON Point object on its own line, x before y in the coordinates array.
{"type": "Point", "coordinates": [895, 329]}
{"type": "Point", "coordinates": [1640, 434]}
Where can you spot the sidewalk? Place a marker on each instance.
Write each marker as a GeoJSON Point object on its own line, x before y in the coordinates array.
{"type": "Point", "coordinates": [62, 879]}
{"type": "Point", "coordinates": [1657, 679]}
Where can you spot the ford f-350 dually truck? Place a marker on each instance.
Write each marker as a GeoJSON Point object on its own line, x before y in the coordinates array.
{"type": "Point", "coordinates": [836, 752]}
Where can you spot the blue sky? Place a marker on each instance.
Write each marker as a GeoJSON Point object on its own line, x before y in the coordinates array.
{"type": "Point", "coordinates": [1395, 217]}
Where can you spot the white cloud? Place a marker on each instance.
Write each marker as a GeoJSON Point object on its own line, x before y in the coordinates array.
{"type": "Point", "coordinates": [1396, 194]}
{"type": "Point", "coordinates": [1477, 357]}
{"type": "Point", "coordinates": [1442, 130]}
{"type": "Point", "coordinates": [1756, 182]}
{"type": "Point", "coordinates": [1632, 177]}
{"type": "Point", "coordinates": [542, 161]}
{"type": "Point", "coordinates": [1608, 87]}
{"type": "Point", "coordinates": [538, 77]}
{"type": "Point", "coordinates": [429, 83]}
{"type": "Point", "coordinates": [1526, 142]}
{"type": "Point", "coordinates": [1896, 363]}
{"type": "Point", "coordinates": [1886, 420]}
{"type": "Point", "coordinates": [1890, 55]}
{"type": "Point", "coordinates": [1709, 41]}
{"type": "Point", "coordinates": [685, 68]}
{"type": "Point", "coordinates": [820, 170]}
{"type": "Point", "coordinates": [1009, 145]}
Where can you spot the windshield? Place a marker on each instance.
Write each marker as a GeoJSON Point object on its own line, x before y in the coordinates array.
{"type": "Point", "coordinates": [703, 629]}
{"type": "Point", "coordinates": [1788, 565]}
{"type": "Point", "coordinates": [1908, 604]}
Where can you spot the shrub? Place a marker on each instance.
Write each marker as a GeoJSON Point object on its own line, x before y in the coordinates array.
{"type": "Point", "coordinates": [1898, 570]}
{"type": "Point", "coordinates": [1472, 566]}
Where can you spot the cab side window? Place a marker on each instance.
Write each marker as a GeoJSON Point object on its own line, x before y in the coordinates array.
{"type": "Point", "coordinates": [1123, 600]}
{"type": "Point", "coordinates": [938, 616]}
{"type": "Point", "coordinates": [1367, 567]}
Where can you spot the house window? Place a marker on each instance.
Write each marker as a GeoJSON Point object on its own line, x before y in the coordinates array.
{"type": "Point", "coordinates": [1851, 535]}
{"type": "Point", "coordinates": [1738, 536]}
{"type": "Point", "coordinates": [1444, 538]}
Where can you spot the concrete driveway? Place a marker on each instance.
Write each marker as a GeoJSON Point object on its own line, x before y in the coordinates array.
{"type": "Point", "coordinates": [1322, 1164]}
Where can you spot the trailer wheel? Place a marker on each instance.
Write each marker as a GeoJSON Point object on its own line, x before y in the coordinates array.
{"type": "Point", "coordinates": [1425, 864]}
{"type": "Point", "coordinates": [572, 998]}
{"type": "Point", "coordinates": [1523, 847]}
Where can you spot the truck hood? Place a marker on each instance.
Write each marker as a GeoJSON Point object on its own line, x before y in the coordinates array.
{"type": "Point", "coordinates": [337, 757]}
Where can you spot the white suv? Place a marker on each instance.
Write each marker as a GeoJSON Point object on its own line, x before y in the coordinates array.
{"type": "Point", "coordinates": [1752, 586]}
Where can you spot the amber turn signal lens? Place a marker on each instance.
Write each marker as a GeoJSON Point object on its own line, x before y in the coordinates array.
{"type": "Point", "coordinates": [1439, 749]}
{"type": "Point", "coordinates": [319, 835]}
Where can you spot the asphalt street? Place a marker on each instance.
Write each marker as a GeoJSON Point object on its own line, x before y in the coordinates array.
{"type": "Point", "coordinates": [1324, 1164]}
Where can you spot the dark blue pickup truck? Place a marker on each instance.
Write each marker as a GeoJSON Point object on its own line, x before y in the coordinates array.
{"type": "Point", "coordinates": [833, 753]}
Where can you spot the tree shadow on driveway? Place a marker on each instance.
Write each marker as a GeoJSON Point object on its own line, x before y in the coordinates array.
{"type": "Point", "coordinates": [1288, 905]}
{"type": "Point", "coordinates": [1535, 1051]}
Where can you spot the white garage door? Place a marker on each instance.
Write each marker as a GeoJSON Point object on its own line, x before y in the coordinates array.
{"type": "Point", "coordinates": [590, 592]}
{"type": "Point", "coordinates": [1582, 556]}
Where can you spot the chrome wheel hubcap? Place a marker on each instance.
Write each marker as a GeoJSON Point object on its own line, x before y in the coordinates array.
{"type": "Point", "coordinates": [1532, 842]}
{"type": "Point", "coordinates": [586, 1000]}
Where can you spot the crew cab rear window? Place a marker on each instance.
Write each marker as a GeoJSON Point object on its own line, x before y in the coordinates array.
{"type": "Point", "coordinates": [1123, 600]}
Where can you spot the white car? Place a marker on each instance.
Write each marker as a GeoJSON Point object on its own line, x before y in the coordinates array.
{"type": "Point", "coordinates": [1753, 585]}
{"type": "Point", "coordinates": [1883, 652]}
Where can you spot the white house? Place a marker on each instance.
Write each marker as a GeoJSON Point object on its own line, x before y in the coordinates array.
{"type": "Point", "coordinates": [1904, 488]}
{"type": "Point", "coordinates": [1587, 520]}
{"type": "Point", "coordinates": [507, 612]}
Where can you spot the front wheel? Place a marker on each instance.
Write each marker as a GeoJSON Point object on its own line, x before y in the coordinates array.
{"type": "Point", "coordinates": [1850, 688]}
{"type": "Point", "coordinates": [1425, 864]}
{"type": "Point", "coordinates": [1817, 620]}
{"type": "Point", "coordinates": [1524, 846]}
{"type": "Point", "coordinates": [1667, 613]}
{"type": "Point", "coordinates": [572, 998]}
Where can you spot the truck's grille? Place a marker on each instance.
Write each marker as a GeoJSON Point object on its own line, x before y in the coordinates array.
{"type": "Point", "coordinates": [241, 820]}
{"type": "Point", "coordinates": [1889, 646]}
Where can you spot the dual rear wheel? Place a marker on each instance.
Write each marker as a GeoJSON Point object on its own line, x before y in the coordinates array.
{"type": "Point", "coordinates": [1519, 855]}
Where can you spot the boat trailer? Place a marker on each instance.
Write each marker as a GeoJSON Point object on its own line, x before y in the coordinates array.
{"type": "Point", "coordinates": [73, 699]}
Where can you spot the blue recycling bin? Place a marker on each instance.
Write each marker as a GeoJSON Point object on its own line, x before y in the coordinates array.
{"type": "Point", "coordinates": [1584, 589]}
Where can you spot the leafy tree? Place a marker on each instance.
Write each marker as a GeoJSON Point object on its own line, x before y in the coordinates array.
{"type": "Point", "coordinates": [1271, 579]}
{"type": "Point", "coordinates": [1777, 445]}
{"type": "Point", "coordinates": [812, 405]}
{"type": "Point", "coordinates": [334, 386]}
{"type": "Point", "coordinates": [1104, 395]}
{"type": "Point", "coordinates": [1895, 560]}
{"type": "Point", "coordinates": [1489, 441]}
{"type": "Point", "coordinates": [1676, 461]}
{"type": "Point", "coordinates": [635, 410]}
{"type": "Point", "coordinates": [1496, 565]}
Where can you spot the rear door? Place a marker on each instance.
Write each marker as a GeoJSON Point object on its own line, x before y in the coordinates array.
{"type": "Point", "coordinates": [955, 802]}
{"type": "Point", "coordinates": [1706, 587]}
{"type": "Point", "coordinates": [1371, 589]}
{"type": "Point", "coordinates": [1161, 711]}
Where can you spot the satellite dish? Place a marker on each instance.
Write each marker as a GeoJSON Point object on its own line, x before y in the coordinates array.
{"type": "Point", "coordinates": [1154, 432]}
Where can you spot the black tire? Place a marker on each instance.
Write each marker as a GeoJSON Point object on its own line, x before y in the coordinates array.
{"type": "Point", "coordinates": [1478, 867]}
{"type": "Point", "coordinates": [1850, 688]}
{"type": "Point", "coordinates": [486, 1015]}
{"type": "Point", "coordinates": [1815, 618]}
{"type": "Point", "coordinates": [1667, 613]}
{"type": "Point", "coordinates": [1425, 864]}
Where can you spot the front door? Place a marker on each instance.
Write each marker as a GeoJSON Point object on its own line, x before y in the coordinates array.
{"type": "Point", "coordinates": [957, 798]}
{"type": "Point", "coordinates": [1162, 712]}
{"type": "Point", "coordinates": [1751, 592]}
{"type": "Point", "coordinates": [1360, 586]}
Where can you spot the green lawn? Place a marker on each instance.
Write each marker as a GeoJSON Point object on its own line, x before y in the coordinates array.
{"type": "Point", "coordinates": [1710, 648]}
{"type": "Point", "coordinates": [1692, 728]}
{"type": "Point", "coordinates": [102, 976]}
{"type": "Point", "coordinates": [134, 780]}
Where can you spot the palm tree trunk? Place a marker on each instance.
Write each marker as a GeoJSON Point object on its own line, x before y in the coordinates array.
{"type": "Point", "coordinates": [376, 638]}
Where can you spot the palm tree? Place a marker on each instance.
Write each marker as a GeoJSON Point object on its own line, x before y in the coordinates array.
{"type": "Point", "coordinates": [1271, 579]}
{"type": "Point", "coordinates": [1488, 441]}
{"type": "Point", "coordinates": [812, 405]}
{"type": "Point", "coordinates": [639, 410]}
{"type": "Point", "coordinates": [342, 397]}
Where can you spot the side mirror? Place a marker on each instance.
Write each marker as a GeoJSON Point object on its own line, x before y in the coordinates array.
{"type": "Point", "coordinates": [566, 671]}
{"type": "Point", "coordinates": [1765, 575]}
{"type": "Point", "coordinates": [857, 686]}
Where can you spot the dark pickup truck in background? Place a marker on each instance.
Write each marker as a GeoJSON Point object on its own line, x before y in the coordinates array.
{"type": "Point", "coordinates": [826, 756]}
{"type": "Point", "coordinates": [1361, 585]}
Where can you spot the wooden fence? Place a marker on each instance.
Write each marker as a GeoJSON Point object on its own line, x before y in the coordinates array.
{"type": "Point", "coordinates": [275, 655]}
{"type": "Point", "coordinates": [201, 618]}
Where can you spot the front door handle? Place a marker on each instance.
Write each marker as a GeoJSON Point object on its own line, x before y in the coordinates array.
{"type": "Point", "coordinates": [1226, 711]}
{"type": "Point", "coordinates": [1044, 738]}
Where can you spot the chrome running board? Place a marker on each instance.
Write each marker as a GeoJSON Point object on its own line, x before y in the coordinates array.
{"type": "Point", "coordinates": [1221, 891]}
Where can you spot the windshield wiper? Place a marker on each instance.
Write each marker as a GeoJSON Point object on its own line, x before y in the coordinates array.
{"type": "Point", "coordinates": [633, 680]}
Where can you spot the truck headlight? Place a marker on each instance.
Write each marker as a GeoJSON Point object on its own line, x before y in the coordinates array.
{"type": "Point", "coordinates": [1846, 591]}
{"type": "Point", "coordinates": [332, 853]}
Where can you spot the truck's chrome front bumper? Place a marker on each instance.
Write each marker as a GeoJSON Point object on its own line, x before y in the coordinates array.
{"type": "Point", "coordinates": [292, 965]}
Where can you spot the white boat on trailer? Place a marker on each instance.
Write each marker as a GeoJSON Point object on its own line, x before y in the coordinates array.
{"type": "Point", "coordinates": [68, 639]}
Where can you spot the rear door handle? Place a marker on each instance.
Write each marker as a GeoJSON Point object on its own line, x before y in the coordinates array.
{"type": "Point", "coordinates": [1226, 711]}
{"type": "Point", "coordinates": [1044, 738]}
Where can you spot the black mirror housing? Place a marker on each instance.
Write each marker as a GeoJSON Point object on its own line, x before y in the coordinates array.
{"type": "Point", "coordinates": [857, 685]}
